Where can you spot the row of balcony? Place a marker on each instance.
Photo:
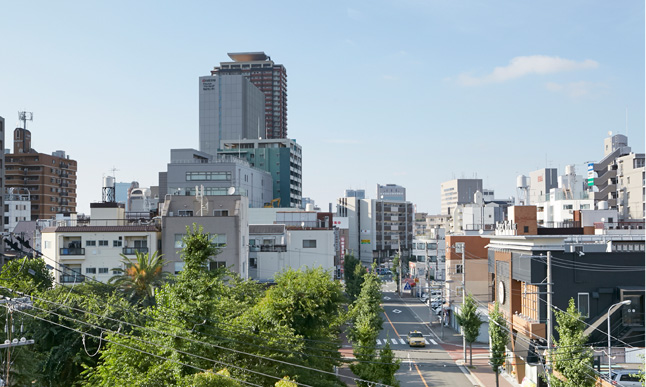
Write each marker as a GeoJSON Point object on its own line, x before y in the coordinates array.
{"type": "Point", "coordinates": [269, 248]}
{"type": "Point", "coordinates": [81, 250]}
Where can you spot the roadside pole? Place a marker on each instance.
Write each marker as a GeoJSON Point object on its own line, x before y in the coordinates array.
{"type": "Point", "coordinates": [13, 304]}
{"type": "Point", "coordinates": [550, 322]}
{"type": "Point", "coordinates": [464, 300]}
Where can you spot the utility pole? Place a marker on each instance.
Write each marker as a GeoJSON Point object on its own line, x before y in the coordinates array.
{"type": "Point", "coordinates": [549, 318]}
{"type": "Point", "coordinates": [400, 267]}
{"type": "Point", "coordinates": [12, 305]}
{"type": "Point", "coordinates": [459, 248]}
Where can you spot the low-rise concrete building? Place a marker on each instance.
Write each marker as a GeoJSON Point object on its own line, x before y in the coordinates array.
{"type": "Point", "coordinates": [80, 250]}
{"type": "Point", "coordinates": [224, 217]}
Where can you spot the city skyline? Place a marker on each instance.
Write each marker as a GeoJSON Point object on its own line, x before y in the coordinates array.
{"type": "Point", "coordinates": [408, 93]}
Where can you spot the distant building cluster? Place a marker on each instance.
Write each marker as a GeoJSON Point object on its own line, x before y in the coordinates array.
{"type": "Point", "coordinates": [243, 185]}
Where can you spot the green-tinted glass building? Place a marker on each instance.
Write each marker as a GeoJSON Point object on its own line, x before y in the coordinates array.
{"type": "Point", "coordinates": [282, 158]}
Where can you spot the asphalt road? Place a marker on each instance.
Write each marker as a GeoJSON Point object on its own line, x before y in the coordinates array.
{"type": "Point", "coordinates": [421, 366]}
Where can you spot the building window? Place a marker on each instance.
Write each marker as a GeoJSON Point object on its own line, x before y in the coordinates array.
{"type": "Point", "coordinates": [185, 213]}
{"type": "Point", "coordinates": [309, 243]}
{"type": "Point", "coordinates": [458, 269]}
{"type": "Point", "coordinates": [116, 243]}
{"type": "Point", "coordinates": [90, 243]}
{"type": "Point", "coordinates": [525, 228]}
{"type": "Point", "coordinates": [219, 240]}
{"type": "Point", "coordinates": [583, 304]}
{"type": "Point", "coordinates": [217, 265]}
{"type": "Point", "coordinates": [220, 212]}
{"type": "Point", "coordinates": [90, 270]}
{"type": "Point", "coordinates": [178, 267]}
{"type": "Point", "coordinates": [179, 243]}
{"type": "Point", "coordinates": [103, 270]}
{"type": "Point", "coordinates": [207, 176]}
{"type": "Point", "coordinates": [103, 243]}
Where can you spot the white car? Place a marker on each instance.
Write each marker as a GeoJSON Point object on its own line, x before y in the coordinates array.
{"type": "Point", "coordinates": [626, 378]}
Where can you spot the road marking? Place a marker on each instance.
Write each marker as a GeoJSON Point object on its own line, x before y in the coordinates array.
{"type": "Point", "coordinates": [394, 341]}
{"type": "Point", "coordinates": [425, 342]}
{"type": "Point", "coordinates": [396, 311]}
{"type": "Point", "coordinates": [378, 342]}
{"type": "Point", "coordinates": [420, 375]}
{"type": "Point", "coordinates": [433, 341]}
{"type": "Point", "coordinates": [402, 341]}
{"type": "Point", "coordinates": [391, 323]}
{"type": "Point", "coordinates": [386, 298]}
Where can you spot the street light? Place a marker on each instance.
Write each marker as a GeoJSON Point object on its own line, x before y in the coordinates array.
{"type": "Point", "coordinates": [627, 302]}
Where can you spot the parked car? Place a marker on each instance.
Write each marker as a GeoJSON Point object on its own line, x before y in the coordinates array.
{"type": "Point", "coordinates": [416, 339]}
{"type": "Point", "coordinates": [626, 378]}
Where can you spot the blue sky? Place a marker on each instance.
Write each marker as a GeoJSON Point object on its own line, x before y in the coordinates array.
{"type": "Point", "coordinates": [405, 92]}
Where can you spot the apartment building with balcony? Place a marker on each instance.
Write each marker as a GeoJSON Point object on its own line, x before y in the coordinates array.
{"type": "Point", "coordinates": [77, 250]}
{"type": "Point", "coordinates": [270, 78]}
{"type": "Point", "coordinates": [274, 248]}
{"type": "Point", "coordinates": [50, 179]}
{"type": "Point", "coordinates": [377, 229]}
{"type": "Point", "coordinates": [618, 180]}
{"type": "Point", "coordinates": [427, 258]}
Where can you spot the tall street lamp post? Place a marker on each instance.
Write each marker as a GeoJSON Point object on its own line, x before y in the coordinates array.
{"type": "Point", "coordinates": [627, 302]}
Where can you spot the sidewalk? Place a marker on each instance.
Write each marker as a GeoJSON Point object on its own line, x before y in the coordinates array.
{"type": "Point", "coordinates": [481, 371]}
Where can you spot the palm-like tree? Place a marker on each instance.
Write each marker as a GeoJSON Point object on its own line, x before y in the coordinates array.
{"type": "Point", "coordinates": [140, 277]}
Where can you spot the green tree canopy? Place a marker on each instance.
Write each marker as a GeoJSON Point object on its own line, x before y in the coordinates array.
{"type": "Point", "coordinates": [470, 321]}
{"type": "Point", "coordinates": [26, 275]}
{"type": "Point", "coordinates": [365, 316]}
{"type": "Point", "coordinates": [498, 337]}
{"type": "Point", "coordinates": [572, 358]}
{"type": "Point", "coordinates": [353, 272]}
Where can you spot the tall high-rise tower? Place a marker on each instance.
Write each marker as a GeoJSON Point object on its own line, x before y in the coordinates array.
{"type": "Point", "coordinates": [267, 76]}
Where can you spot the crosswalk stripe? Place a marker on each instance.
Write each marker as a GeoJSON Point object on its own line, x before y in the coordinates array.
{"type": "Point", "coordinates": [394, 341]}
{"type": "Point", "coordinates": [378, 342]}
{"type": "Point", "coordinates": [433, 341]}
{"type": "Point", "coordinates": [425, 342]}
{"type": "Point", "coordinates": [402, 341]}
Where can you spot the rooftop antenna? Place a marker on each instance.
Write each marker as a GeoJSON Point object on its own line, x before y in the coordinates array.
{"type": "Point", "coordinates": [114, 170]}
{"type": "Point", "coordinates": [24, 117]}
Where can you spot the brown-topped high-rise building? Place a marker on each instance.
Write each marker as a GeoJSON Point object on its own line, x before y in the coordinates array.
{"type": "Point", "coordinates": [267, 76]}
{"type": "Point", "coordinates": [50, 179]}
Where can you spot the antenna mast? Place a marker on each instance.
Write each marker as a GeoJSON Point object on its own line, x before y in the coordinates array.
{"type": "Point", "coordinates": [24, 117]}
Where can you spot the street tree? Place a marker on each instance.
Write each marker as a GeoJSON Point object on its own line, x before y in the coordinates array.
{"type": "Point", "coordinates": [140, 277]}
{"type": "Point", "coordinates": [395, 270]}
{"type": "Point", "coordinates": [470, 321]}
{"type": "Point", "coordinates": [571, 357]}
{"type": "Point", "coordinates": [366, 322]}
{"type": "Point", "coordinates": [353, 272]}
{"type": "Point", "coordinates": [498, 339]}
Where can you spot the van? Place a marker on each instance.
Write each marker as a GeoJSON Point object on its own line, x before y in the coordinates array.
{"type": "Point", "coordinates": [626, 378]}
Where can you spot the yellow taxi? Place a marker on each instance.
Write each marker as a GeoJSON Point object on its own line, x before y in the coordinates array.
{"type": "Point", "coordinates": [416, 339]}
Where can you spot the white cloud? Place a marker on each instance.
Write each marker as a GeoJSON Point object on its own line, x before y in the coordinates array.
{"type": "Point", "coordinates": [521, 66]}
{"type": "Point", "coordinates": [575, 89]}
